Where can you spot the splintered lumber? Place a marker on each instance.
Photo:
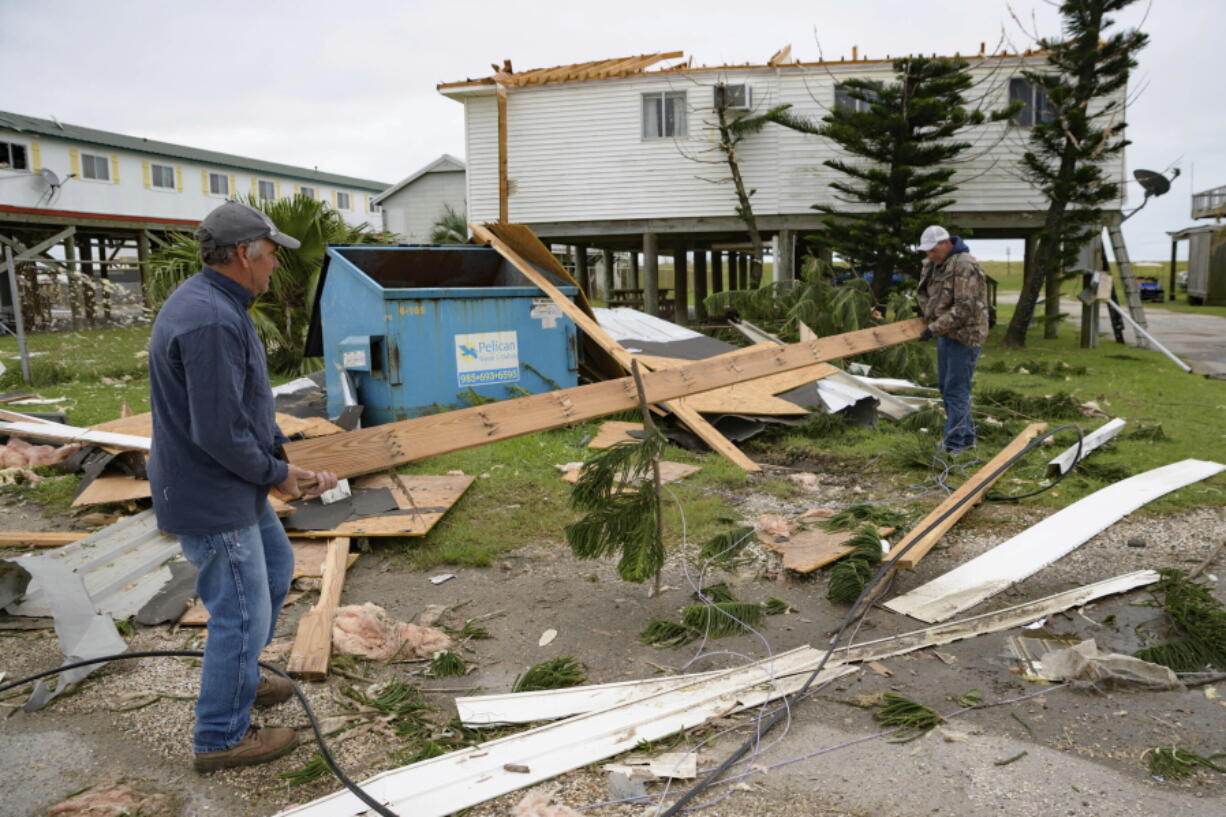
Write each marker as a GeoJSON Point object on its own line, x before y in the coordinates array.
{"type": "Point", "coordinates": [930, 530]}
{"type": "Point", "coordinates": [1099, 436]}
{"type": "Point", "coordinates": [381, 447]}
{"type": "Point", "coordinates": [1041, 544]}
{"type": "Point", "coordinates": [525, 707]}
{"type": "Point", "coordinates": [39, 539]}
{"type": "Point", "coordinates": [592, 329]}
{"type": "Point", "coordinates": [313, 644]}
{"type": "Point", "coordinates": [616, 431]}
{"type": "Point", "coordinates": [454, 781]}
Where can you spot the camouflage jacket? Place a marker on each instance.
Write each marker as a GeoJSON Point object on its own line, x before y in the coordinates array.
{"type": "Point", "coordinates": [953, 297]}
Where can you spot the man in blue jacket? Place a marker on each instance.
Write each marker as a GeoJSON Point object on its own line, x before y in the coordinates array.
{"type": "Point", "coordinates": [953, 299]}
{"type": "Point", "coordinates": [216, 452]}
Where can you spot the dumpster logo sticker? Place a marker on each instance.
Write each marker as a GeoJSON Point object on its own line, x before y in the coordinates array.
{"type": "Point", "coordinates": [487, 358]}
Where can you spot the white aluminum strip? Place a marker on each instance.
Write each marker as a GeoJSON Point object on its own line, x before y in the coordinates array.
{"type": "Point", "coordinates": [623, 323]}
{"type": "Point", "coordinates": [451, 782]}
{"type": "Point", "coordinates": [525, 707]}
{"type": "Point", "coordinates": [551, 704]}
{"type": "Point", "coordinates": [1040, 545]}
{"type": "Point", "coordinates": [72, 434]}
{"type": "Point", "coordinates": [294, 386]}
{"type": "Point", "coordinates": [887, 404]}
{"type": "Point", "coordinates": [1100, 435]}
{"type": "Point", "coordinates": [122, 567]}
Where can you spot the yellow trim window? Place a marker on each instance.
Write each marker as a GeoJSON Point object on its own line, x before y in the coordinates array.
{"type": "Point", "coordinates": [342, 200]}
{"type": "Point", "coordinates": [161, 177]}
{"type": "Point", "coordinates": [304, 190]}
{"type": "Point", "coordinates": [219, 184]}
{"type": "Point", "coordinates": [95, 166]}
{"type": "Point", "coordinates": [266, 190]}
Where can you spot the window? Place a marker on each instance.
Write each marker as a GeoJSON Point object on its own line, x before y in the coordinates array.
{"type": "Point", "coordinates": [371, 207]}
{"type": "Point", "coordinates": [13, 156]}
{"type": "Point", "coordinates": [1036, 107]}
{"type": "Point", "coordinates": [266, 190]}
{"type": "Point", "coordinates": [219, 184]}
{"type": "Point", "coordinates": [843, 98]}
{"type": "Point", "coordinates": [162, 176]}
{"type": "Point", "coordinates": [95, 167]}
{"type": "Point", "coordinates": [309, 192]}
{"type": "Point", "coordinates": [664, 115]}
{"type": "Point", "coordinates": [732, 97]}
{"type": "Point", "coordinates": [342, 200]}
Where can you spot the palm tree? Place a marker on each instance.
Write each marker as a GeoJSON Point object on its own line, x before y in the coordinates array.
{"type": "Point", "coordinates": [282, 314]}
{"type": "Point", "coordinates": [450, 228]}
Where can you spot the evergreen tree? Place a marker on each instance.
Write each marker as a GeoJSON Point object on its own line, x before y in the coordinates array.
{"type": "Point", "coordinates": [1080, 128]}
{"type": "Point", "coordinates": [902, 140]}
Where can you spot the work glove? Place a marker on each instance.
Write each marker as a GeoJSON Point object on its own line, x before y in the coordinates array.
{"type": "Point", "coordinates": [926, 334]}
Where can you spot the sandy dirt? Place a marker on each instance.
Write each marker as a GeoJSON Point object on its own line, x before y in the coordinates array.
{"type": "Point", "coordinates": [1083, 749]}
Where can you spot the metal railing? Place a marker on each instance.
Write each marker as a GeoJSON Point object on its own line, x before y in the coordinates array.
{"type": "Point", "coordinates": [1210, 203]}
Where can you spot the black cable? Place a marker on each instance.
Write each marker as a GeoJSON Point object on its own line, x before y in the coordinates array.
{"type": "Point", "coordinates": [784, 709]}
{"type": "Point", "coordinates": [1059, 477]}
{"type": "Point", "coordinates": [378, 807]}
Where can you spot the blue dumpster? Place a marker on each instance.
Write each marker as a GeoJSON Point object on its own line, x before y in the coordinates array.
{"type": "Point", "coordinates": [415, 328]}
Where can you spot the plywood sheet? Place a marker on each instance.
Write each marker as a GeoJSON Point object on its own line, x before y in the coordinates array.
{"type": "Point", "coordinates": [807, 550]}
{"type": "Point", "coordinates": [614, 432]}
{"type": "Point", "coordinates": [112, 488]}
{"type": "Point", "coordinates": [669, 472]}
{"type": "Point", "coordinates": [434, 495]}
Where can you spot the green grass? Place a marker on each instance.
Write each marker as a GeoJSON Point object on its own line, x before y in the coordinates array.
{"type": "Point", "coordinates": [524, 500]}
{"type": "Point", "coordinates": [1141, 386]}
{"type": "Point", "coordinates": [73, 365]}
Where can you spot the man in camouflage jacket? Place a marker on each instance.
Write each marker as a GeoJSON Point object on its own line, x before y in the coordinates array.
{"type": "Point", "coordinates": [953, 300]}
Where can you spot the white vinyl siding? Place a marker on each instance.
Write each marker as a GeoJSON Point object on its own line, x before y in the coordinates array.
{"type": "Point", "coordinates": [561, 170]}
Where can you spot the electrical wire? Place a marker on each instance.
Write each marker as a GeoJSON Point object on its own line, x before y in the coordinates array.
{"type": "Point", "coordinates": [884, 570]}
{"type": "Point", "coordinates": [357, 790]}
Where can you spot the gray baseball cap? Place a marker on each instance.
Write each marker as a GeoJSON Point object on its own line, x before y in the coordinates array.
{"type": "Point", "coordinates": [233, 223]}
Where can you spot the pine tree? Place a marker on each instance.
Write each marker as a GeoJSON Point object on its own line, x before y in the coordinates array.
{"type": "Point", "coordinates": [1084, 128]}
{"type": "Point", "coordinates": [902, 137]}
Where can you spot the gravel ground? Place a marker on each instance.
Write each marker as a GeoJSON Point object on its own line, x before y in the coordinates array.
{"type": "Point", "coordinates": [132, 720]}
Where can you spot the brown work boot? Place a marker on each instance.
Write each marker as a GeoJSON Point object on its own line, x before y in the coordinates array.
{"type": "Point", "coordinates": [259, 745]}
{"type": "Point", "coordinates": [273, 689]}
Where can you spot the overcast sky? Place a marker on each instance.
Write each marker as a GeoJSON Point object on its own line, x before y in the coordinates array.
{"type": "Point", "coordinates": [350, 87]}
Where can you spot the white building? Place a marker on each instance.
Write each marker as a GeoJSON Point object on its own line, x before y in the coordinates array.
{"type": "Point", "coordinates": [412, 206]}
{"type": "Point", "coordinates": [113, 179]}
{"type": "Point", "coordinates": [611, 155]}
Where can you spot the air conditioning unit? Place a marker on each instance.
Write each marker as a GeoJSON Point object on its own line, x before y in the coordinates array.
{"type": "Point", "coordinates": [733, 97]}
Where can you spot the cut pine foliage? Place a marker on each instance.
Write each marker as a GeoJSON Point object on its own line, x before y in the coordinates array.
{"type": "Point", "coordinates": [714, 593]}
{"type": "Point", "coordinates": [1174, 763]}
{"type": "Point", "coordinates": [1198, 618]}
{"type": "Point", "coordinates": [915, 719]}
{"type": "Point", "coordinates": [851, 574]}
{"type": "Point", "coordinates": [722, 619]}
{"type": "Point", "coordinates": [556, 673]}
{"type": "Point", "coordinates": [724, 547]}
{"type": "Point", "coordinates": [447, 665]}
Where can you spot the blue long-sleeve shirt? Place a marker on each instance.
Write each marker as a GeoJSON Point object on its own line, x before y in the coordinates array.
{"type": "Point", "coordinates": [215, 436]}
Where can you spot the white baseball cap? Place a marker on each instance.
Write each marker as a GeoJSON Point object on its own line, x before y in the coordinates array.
{"type": "Point", "coordinates": [932, 236]}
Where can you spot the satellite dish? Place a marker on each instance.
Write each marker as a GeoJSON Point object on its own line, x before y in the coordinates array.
{"type": "Point", "coordinates": [1154, 184]}
{"type": "Point", "coordinates": [52, 180]}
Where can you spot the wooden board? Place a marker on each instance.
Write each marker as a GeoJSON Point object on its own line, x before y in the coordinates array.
{"type": "Point", "coordinates": [669, 472]}
{"type": "Point", "coordinates": [313, 644]}
{"type": "Point", "coordinates": [592, 329]}
{"type": "Point", "coordinates": [959, 503]}
{"type": "Point", "coordinates": [746, 398]}
{"type": "Point", "coordinates": [113, 488]}
{"type": "Point", "coordinates": [196, 616]}
{"type": "Point", "coordinates": [613, 432]}
{"type": "Point", "coordinates": [380, 447]}
{"type": "Point", "coordinates": [427, 492]}
{"type": "Point", "coordinates": [39, 539]}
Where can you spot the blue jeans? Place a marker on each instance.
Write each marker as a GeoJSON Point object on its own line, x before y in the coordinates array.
{"type": "Point", "coordinates": [955, 368]}
{"type": "Point", "coordinates": [242, 580]}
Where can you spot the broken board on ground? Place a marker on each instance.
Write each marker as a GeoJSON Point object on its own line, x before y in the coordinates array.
{"type": "Point", "coordinates": [613, 432]}
{"type": "Point", "coordinates": [428, 499]}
